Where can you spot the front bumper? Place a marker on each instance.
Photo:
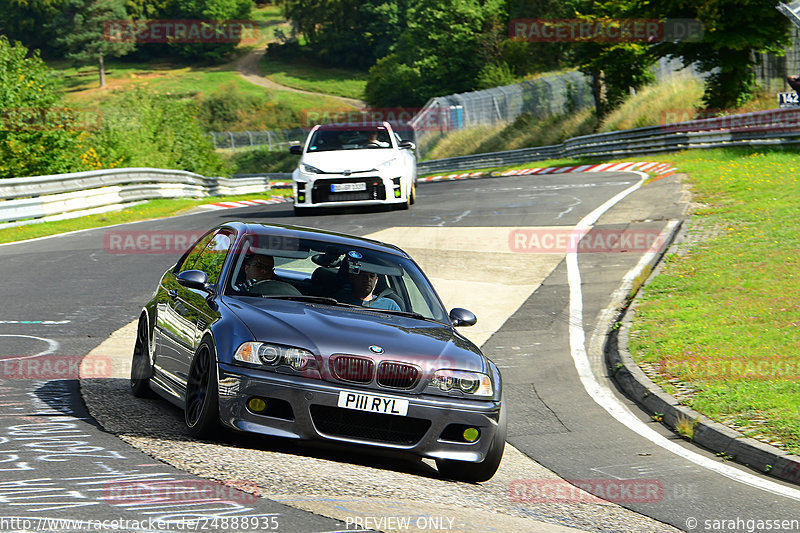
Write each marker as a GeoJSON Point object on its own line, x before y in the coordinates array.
{"type": "Point", "coordinates": [316, 190]}
{"type": "Point", "coordinates": [302, 408]}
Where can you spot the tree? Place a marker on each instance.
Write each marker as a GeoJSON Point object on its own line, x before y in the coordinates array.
{"type": "Point", "coordinates": [440, 51]}
{"type": "Point", "coordinates": [352, 33]}
{"type": "Point", "coordinates": [733, 32]}
{"type": "Point", "coordinates": [80, 29]}
{"type": "Point", "coordinates": [211, 11]}
{"type": "Point", "coordinates": [26, 20]}
{"type": "Point", "coordinates": [37, 135]}
{"type": "Point", "coordinates": [617, 66]}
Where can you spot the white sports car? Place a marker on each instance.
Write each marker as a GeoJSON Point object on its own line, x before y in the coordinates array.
{"type": "Point", "coordinates": [344, 165]}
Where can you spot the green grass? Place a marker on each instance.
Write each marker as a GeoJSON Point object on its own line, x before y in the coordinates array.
{"type": "Point", "coordinates": [303, 74]}
{"type": "Point", "coordinates": [677, 99]}
{"type": "Point", "coordinates": [524, 132]}
{"type": "Point", "coordinates": [724, 315]}
{"type": "Point", "coordinates": [281, 109]}
{"type": "Point", "coordinates": [153, 209]}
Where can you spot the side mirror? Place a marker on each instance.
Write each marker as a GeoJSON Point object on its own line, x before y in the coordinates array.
{"type": "Point", "coordinates": [195, 279]}
{"type": "Point", "coordinates": [296, 149]}
{"type": "Point", "coordinates": [462, 317]}
{"type": "Point", "coordinates": [408, 145]}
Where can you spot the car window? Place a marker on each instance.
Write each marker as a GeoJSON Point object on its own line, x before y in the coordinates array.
{"type": "Point", "coordinates": [209, 254]}
{"type": "Point", "coordinates": [190, 258]}
{"type": "Point", "coordinates": [212, 258]}
{"type": "Point", "coordinates": [324, 140]}
{"type": "Point", "coordinates": [322, 269]}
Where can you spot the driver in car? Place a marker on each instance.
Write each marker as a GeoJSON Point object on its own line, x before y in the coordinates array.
{"type": "Point", "coordinates": [361, 289]}
{"type": "Point", "coordinates": [260, 277]}
{"type": "Point", "coordinates": [373, 141]}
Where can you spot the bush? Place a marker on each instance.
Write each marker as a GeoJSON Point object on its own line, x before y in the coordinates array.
{"type": "Point", "coordinates": [392, 83]}
{"type": "Point", "coordinates": [494, 76]}
{"type": "Point", "coordinates": [211, 10]}
{"type": "Point", "coordinates": [37, 135]}
{"type": "Point", "coordinates": [262, 160]}
{"type": "Point", "coordinates": [158, 131]}
{"type": "Point", "coordinates": [229, 108]}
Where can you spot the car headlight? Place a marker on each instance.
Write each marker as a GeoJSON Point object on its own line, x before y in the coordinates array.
{"type": "Point", "coordinates": [472, 383]}
{"type": "Point", "coordinates": [308, 169]}
{"type": "Point", "coordinates": [262, 353]}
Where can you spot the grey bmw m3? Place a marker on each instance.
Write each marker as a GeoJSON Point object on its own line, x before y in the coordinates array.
{"type": "Point", "coordinates": [306, 334]}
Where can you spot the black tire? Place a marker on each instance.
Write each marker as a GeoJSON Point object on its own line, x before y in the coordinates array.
{"type": "Point", "coordinates": [201, 410]}
{"type": "Point", "coordinates": [477, 472]}
{"type": "Point", "coordinates": [413, 195]}
{"type": "Point", "coordinates": [141, 367]}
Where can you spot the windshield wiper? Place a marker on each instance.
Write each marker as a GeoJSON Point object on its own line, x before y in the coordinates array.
{"type": "Point", "coordinates": [312, 299]}
{"type": "Point", "coordinates": [333, 301]}
{"type": "Point", "coordinates": [409, 314]}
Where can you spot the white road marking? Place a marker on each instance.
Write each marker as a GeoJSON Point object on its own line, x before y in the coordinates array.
{"type": "Point", "coordinates": [35, 322]}
{"type": "Point", "coordinates": [602, 394]}
{"type": "Point", "coordinates": [52, 346]}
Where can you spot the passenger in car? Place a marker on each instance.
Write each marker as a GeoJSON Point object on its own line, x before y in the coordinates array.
{"type": "Point", "coordinates": [260, 277]}
{"type": "Point", "coordinates": [359, 291]}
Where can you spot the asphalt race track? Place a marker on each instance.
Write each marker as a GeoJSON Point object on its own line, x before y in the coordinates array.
{"type": "Point", "coordinates": [484, 245]}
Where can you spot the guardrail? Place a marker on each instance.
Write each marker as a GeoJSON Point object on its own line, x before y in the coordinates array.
{"type": "Point", "coordinates": [39, 198]}
{"type": "Point", "coordinates": [42, 198]}
{"type": "Point", "coordinates": [762, 128]}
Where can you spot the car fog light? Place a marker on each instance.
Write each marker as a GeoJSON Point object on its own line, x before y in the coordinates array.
{"type": "Point", "coordinates": [258, 405]}
{"type": "Point", "coordinates": [301, 198]}
{"type": "Point", "coordinates": [397, 194]}
{"type": "Point", "coordinates": [471, 434]}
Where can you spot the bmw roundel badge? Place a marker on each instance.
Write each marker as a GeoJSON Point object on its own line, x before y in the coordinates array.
{"type": "Point", "coordinates": [375, 349]}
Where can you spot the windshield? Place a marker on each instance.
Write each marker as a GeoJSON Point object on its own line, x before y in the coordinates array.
{"type": "Point", "coordinates": [319, 272]}
{"type": "Point", "coordinates": [324, 140]}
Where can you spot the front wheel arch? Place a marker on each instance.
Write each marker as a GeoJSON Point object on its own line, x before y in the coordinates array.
{"type": "Point", "coordinates": [486, 469]}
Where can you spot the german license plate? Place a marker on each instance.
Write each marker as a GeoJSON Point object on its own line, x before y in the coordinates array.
{"type": "Point", "coordinates": [348, 187]}
{"type": "Point", "coordinates": [373, 404]}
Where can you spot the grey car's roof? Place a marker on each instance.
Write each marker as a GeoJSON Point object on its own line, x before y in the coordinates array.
{"type": "Point", "coordinates": [301, 232]}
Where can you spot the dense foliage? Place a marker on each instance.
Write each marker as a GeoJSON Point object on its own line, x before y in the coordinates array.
{"type": "Point", "coordinates": [734, 31]}
{"type": "Point", "coordinates": [422, 48]}
{"type": "Point", "coordinates": [159, 131]}
{"type": "Point", "coordinates": [80, 31]}
{"type": "Point", "coordinates": [37, 134]}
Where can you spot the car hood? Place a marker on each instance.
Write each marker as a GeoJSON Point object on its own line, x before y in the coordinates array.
{"type": "Point", "coordinates": [352, 160]}
{"type": "Point", "coordinates": [327, 330]}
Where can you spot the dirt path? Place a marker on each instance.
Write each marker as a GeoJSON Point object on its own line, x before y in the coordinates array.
{"type": "Point", "coordinates": [247, 66]}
